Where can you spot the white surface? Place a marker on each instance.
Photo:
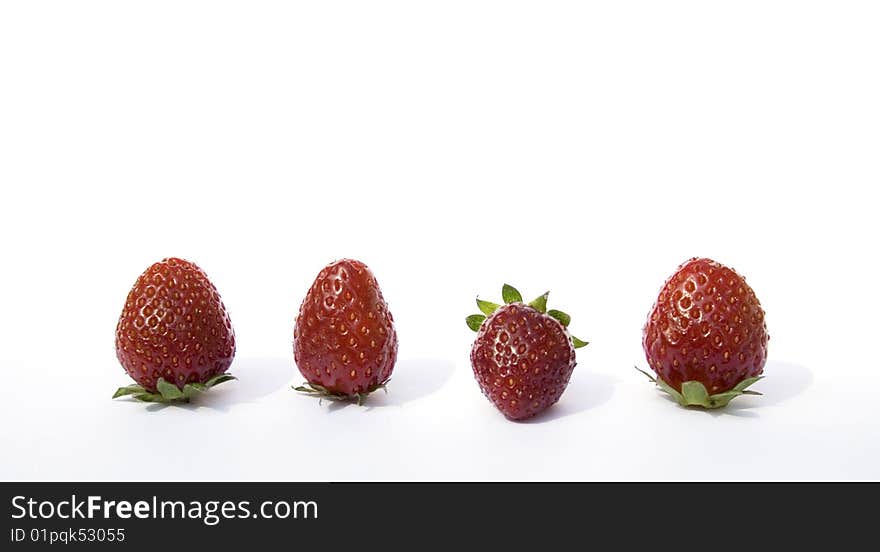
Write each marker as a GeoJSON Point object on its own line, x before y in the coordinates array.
{"type": "Point", "coordinates": [452, 146]}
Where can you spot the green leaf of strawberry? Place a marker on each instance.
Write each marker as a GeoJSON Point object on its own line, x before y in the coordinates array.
{"type": "Point", "coordinates": [694, 393]}
{"type": "Point", "coordinates": [129, 390]}
{"type": "Point", "coordinates": [578, 343]}
{"type": "Point", "coordinates": [540, 303]}
{"type": "Point", "coordinates": [218, 379]}
{"type": "Point", "coordinates": [190, 390]}
{"type": "Point", "coordinates": [474, 321]}
{"type": "Point", "coordinates": [487, 307]}
{"type": "Point", "coordinates": [321, 392]}
{"type": "Point", "coordinates": [169, 393]}
{"type": "Point", "coordinates": [510, 294]}
{"type": "Point", "coordinates": [563, 318]}
{"type": "Point", "coordinates": [149, 397]}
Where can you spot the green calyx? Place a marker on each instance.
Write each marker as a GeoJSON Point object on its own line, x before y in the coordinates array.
{"type": "Point", "coordinates": [511, 295]}
{"type": "Point", "coordinates": [694, 393]}
{"type": "Point", "coordinates": [169, 393]}
{"type": "Point", "coordinates": [321, 392]}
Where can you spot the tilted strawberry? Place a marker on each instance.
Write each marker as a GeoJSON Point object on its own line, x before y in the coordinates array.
{"type": "Point", "coordinates": [344, 342]}
{"type": "Point", "coordinates": [523, 356]}
{"type": "Point", "coordinates": [706, 338]}
{"type": "Point", "coordinates": [174, 336]}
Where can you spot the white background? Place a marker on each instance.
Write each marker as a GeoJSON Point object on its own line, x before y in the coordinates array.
{"type": "Point", "coordinates": [586, 148]}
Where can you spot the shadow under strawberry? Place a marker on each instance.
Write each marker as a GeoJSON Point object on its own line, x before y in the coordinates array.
{"type": "Point", "coordinates": [586, 391]}
{"type": "Point", "coordinates": [787, 382]}
{"type": "Point", "coordinates": [414, 379]}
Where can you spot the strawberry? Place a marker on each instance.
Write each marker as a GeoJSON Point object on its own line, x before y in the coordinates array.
{"type": "Point", "coordinates": [523, 356]}
{"type": "Point", "coordinates": [706, 338]}
{"type": "Point", "coordinates": [174, 337]}
{"type": "Point", "coordinates": [344, 342]}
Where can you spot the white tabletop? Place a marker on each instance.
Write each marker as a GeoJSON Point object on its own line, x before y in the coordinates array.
{"type": "Point", "coordinates": [583, 150]}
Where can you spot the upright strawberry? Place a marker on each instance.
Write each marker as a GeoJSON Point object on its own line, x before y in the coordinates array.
{"type": "Point", "coordinates": [706, 338]}
{"type": "Point", "coordinates": [523, 356]}
{"type": "Point", "coordinates": [344, 342]}
{"type": "Point", "coordinates": [174, 337]}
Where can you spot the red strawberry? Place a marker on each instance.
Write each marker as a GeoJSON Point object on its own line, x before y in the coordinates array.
{"type": "Point", "coordinates": [174, 337]}
{"type": "Point", "coordinates": [705, 337]}
{"type": "Point", "coordinates": [523, 356]}
{"type": "Point", "coordinates": [344, 341]}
